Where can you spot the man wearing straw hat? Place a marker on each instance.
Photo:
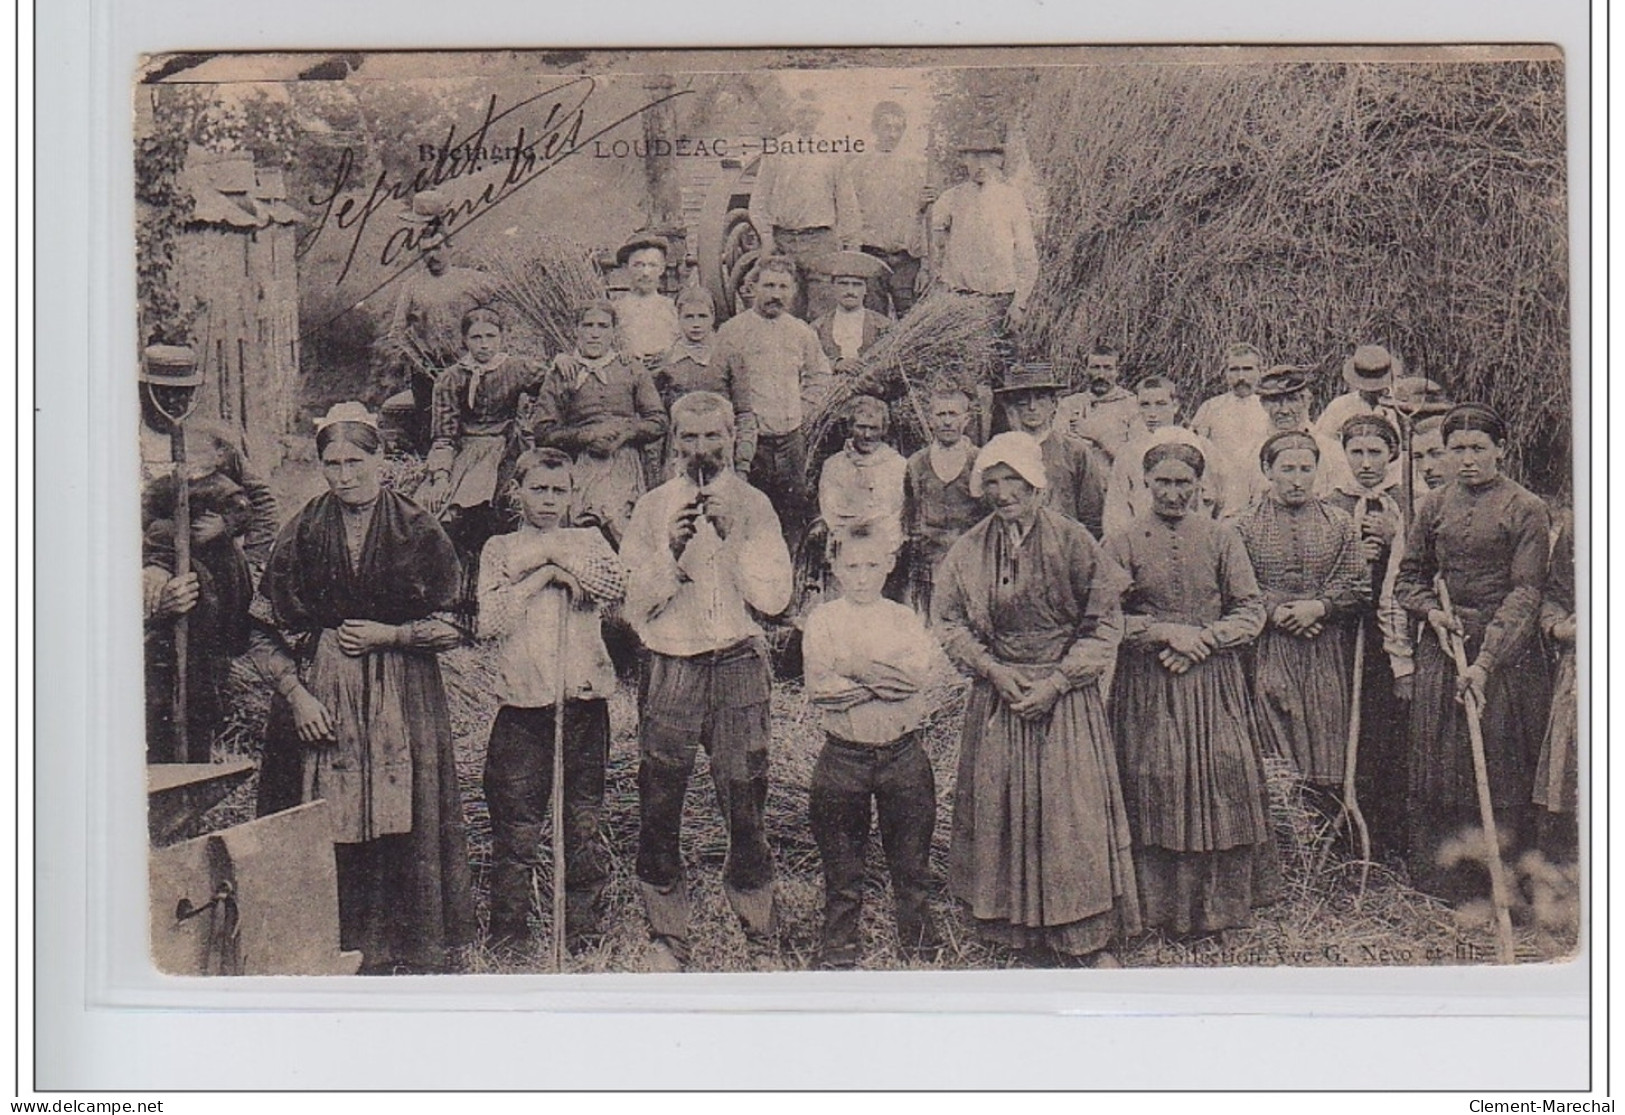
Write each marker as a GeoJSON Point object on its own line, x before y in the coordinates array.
{"type": "Point", "coordinates": [803, 206]}
{"type": "Point", "coordinates": [1076, 468]}
{"type": "Point", "coordinates": [1369, 374]}
{"type": "Point", "coordinates": [893, 194]}
{"type": "Point", "coordinates": [982, 233]}
{"type": "Point", "coordinates": [425, 331]}
{"type": "Point", "coordinates": [849, 330]}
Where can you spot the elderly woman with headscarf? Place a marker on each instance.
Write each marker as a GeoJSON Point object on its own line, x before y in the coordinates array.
{"type": "Point", "coordinates": [1193, 775]}
{"type": "Point", "coordinates": [1486, 537]}
{"type": "Point", "coordinates": [355, 603]}
{"type": "Point", "coordinates": [1027, 603]}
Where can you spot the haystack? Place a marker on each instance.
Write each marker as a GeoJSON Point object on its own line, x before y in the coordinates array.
{"type": "Point", "coordinates": [1309, 208]}
{"type": "Point", "coordinates": [542, 280]}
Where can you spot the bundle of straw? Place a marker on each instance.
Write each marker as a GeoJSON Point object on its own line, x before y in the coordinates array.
{"type": "Point", "coordinates": [1309, 208]}
{"type": "Point", "coordinates": [543, 280]}
{"type": "Point", "coordinates": [946, 339]}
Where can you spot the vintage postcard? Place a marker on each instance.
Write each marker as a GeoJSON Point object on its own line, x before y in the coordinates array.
{"type": "Point", "coordinates": [745, 511]}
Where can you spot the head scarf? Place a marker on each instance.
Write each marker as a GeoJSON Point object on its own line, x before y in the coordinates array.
{"type": "Point", "coordinates": [1475, 416]}
{"type": "Point", "coordinates": [1371, 425]}
{"type": "Point", "coordinates": [1179, 451]}
{"type": "Point", "coordinates": [1281, 442]}
{"type": "Point", "coordinates": [1019, 450]}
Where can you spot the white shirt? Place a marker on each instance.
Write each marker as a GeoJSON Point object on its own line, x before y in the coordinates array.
{"type": "Point", "coordinates": [648, 324]}
{"type": "Point", "coordinates": [847, 328]}
{"type": "Point", "coordinates": [990, 247]}
{"type": "Point", "coordinates": [856, 488]}
{"type": "Point", "coordinates": [524, 618]}
{"type": "Point", "coordinates": [842, 638]}
{"type": "Point", "coordinates": [699, 604]}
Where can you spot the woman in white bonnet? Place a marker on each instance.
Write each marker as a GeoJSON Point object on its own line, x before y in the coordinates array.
{"type": "Point", "coordinates": [1029, 604]}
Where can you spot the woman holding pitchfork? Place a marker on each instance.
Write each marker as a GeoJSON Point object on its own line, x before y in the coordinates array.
{"type": "Point", "coordinates": [1484, 538]}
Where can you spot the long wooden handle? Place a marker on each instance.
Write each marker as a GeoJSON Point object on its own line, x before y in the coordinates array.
{"type": "Point", "coordinates": [557, 804]}
{"type": "Point", "coordinates": [1504, 949]}
{"type": "Point", "coordinates": [1351, 756]}
{"type": "Point", "coordinates": [181, 521]}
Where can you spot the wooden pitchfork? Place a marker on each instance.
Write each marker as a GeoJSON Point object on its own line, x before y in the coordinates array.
{"type": "Point", "coordinates": [1481, 780]}
{"type": "Point", "coordinates": [1351, 812]}
{"type": "Point", "coordinates": [555, 804]}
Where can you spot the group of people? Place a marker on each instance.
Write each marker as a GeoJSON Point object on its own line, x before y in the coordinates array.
{"type": "Point", "coordinates": [1148, 612]}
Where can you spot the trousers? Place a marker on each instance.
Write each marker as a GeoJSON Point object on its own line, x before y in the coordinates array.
{"type": "Point", "coordinates": [780, 469]}
{"type": "Point", "coordinates": [518, 789]}
{"type": "Point", "coordinates": [718, 701]}
{"type": "Point", "coordinates": [897, 778]}
{"type": "Point", "coordinates": [893, 291]}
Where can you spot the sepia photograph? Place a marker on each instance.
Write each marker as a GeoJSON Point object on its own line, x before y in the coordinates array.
{"type": "Point", "coordinates": [879, 509]}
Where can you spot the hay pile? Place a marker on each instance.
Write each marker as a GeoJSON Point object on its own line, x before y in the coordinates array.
{"type": "Point", "coordinates": [1308, 208]}
{"type": "Point", "coordinates": [946, 339]}
{"type": "Point", "coordinates": [541, 280]}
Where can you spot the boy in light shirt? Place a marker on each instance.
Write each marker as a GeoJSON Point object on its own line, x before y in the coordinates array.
{"type": "Point", "coordinates": [517, 610]}
{"type": "Point", "coordinates": [868, 664]}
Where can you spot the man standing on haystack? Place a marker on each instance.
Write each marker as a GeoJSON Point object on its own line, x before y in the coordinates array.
{"type": "Point", "coordinates": [785, 372]}
{"type": "Point", "coordinates": [1105, 412]}
{"type": "Point", "coordinates": [1076, 469]}
{"type": "Point", "coordinates": [982, 234]}
{"type": "Point", "coordinates": [802, 205]}
{"type": "Point", "coordinates": [704, 551]}
{"type": "Point", "coordinates": [893, 195]}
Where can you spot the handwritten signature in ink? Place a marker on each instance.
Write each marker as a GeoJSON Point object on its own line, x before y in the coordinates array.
{"type": "Point", "coordinates": [555, 136]}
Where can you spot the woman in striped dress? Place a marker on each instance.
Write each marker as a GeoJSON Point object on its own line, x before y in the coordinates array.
{"type": "Point", "coordinates": [1310, 567]}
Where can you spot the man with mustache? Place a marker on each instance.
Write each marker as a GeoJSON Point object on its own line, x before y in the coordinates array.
{"type": "Point", "coordinates": [785, 373]}
{"type": "Point", "coordinates": [1105, 411]}
{"type": "Point", "coordinates": [705, 551]}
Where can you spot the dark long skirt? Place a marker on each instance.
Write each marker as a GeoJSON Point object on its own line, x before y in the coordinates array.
{"type": "Point", "coordinates": [1301, 689]}
{"type": "Point", "coordinates": [1382, 769]}
{"type": "Point", "coordinates": [1443, 799]}
{"type": "Point", "coordinates": [405, 898]}
{"type": "Point", "coordinates": [1193, 779]}
{"type": "Point", "coordinates": [1040, 848]}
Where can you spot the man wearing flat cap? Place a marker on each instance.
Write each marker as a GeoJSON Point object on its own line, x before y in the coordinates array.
{"type": "Point", "coordinates": [1284, 392]}
{"type": "Point", "coordinates": [1076, 468]}
{"type": "Point", "coordinates": [647, 320]}
{"type": "Point", "coordinates": [982, 233]}
{"type": "Point", "coordinates": [849, 330]}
